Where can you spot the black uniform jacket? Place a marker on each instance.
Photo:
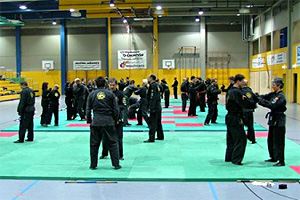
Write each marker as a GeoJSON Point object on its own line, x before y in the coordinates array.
{"type": "Point", "coordinates": [277, 103]}
{"type": "Point", "coordinates": [105, 108]}
{"type": "Point", "coordinates": [154, 97]}
{"type": "Point", "coordinates": [27, 101]}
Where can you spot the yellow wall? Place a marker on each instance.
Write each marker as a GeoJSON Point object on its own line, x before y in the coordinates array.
{"type": "Point", "coordinates": [279, 71]}
{"type": "Point", "coordinates": [36, 78]}
{"type": "Point", "coordinates": [54, 77]}
{"type": "Point", "coordinates": [90, 74]}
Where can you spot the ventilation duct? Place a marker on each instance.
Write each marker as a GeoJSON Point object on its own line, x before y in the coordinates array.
{"type": "Point", "coordinates": [9, 22]}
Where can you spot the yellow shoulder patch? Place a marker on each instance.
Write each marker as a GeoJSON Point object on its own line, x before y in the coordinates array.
{"type": "Point", "coordinates": [249, 95]}
{"type": "Point", "coordinates": [101, 95]}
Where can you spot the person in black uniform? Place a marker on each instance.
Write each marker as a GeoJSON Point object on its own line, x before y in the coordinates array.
{"type": "Point", "coordinates": [276, 101]}
{"type": "Point", "coordinates": [249, 103]}
{"type": "Point", "coordinates": [26, 111]}
{"type": "Point", "coordinates": [142, 112]}
{"type": "Point", "coordinates": [90, 86]}
{"type": "Point", "coordinates": [201, 95]}
{"type": "Point", "coordinates": [54, 104]}
{"type": "Point", "coordinates": [45, 104]}
{"type": "Point", "coordinates": [212, 102]}
{"type": "Point", "coordinates": [235, 137]}
{"type": "Point", "coordinates": [184, 88]}
{"type": "Point", "coordinates": [69, 100]}
{"type": "Point", "coordinates": [105, 115]}
{"type": "Point", "coordinates": [119, 124]}
{"type": "Point", "coordinates": [175, 87]}
{"type": "Point", "coordinates": [231, 81]}
{"type": "Point", "coordinates": [79, 95]}
{"type": "Point", "coordinates": [166, 92]}
{"type": "Point", "coordinates": [121, 84]}
{"type": "Point", "coordinates": [155, 110]}
{"type": "Point", "coordinates": [128, 91]}
{"type": "Point", "coordinates": [193, 97]}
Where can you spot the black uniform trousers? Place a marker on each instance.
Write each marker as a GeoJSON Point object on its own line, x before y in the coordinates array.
{"type": "Point", "coordinates": [125, 112]}
{"type": "Point", "coordinates": [53, 110]}
{"type": "Point", "coordinates": [119, 129]}
{"type": "Point", "coordinates": [111, 138]}
{"type": "Point", "coordinates": [79, 108]}
{"type": "Point", "coordinates": [202, 102]}
{"type": "Point", "coordinates": [184, 98]}
{"type": "Point", "coordinates": [248, 121]}
{"type": "Point", "coordinates": [175, 92]}
{"type": "Point", "coordinates": [236, 140]}
{"type": "Point", "coordinates": [276, 142]}
{"type": "Point", "coordinates": [212, 112]}
{"type": "Point", "coordinates": [142, 113]}
{"type": "Point", "coordinates": [193, 106]}
{"type": "Point", "coordinates": [167, 98]}
{"type": "Point", "coordinates": [155, 126]}
{"type": "Point", "coordinates": [26, 123]}
{"type": "Point", "coordinates": [45, 113]}
{"type": "Point", "coordinates": [70, 109]}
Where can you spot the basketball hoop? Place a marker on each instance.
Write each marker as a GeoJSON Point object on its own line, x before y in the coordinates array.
{"type": "Point", "coordinates": [168, 67]}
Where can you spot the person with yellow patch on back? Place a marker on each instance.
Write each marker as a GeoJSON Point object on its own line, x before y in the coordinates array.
{"type": "Point", "coordinates": [276, 102]}
{"type": "Point", "coordinates": [54, 105]}
{"type": "Point", "coordinates": [26, 111]}
{"type": "Point", "coordinates": [105, 115]}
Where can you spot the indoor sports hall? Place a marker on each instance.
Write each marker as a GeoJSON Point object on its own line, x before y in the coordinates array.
{"type": "Point", "coordinates": [62, 42]}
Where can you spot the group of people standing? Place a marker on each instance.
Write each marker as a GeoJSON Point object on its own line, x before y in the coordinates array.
{"type": "Point", "coordinates": [50, 104]}
{"type": "Point", "coordinates": [110, 112]}
{"type": "Point", "coordinates": [108, 105]}
{"type": "Point", "coordinates": [237, 101]}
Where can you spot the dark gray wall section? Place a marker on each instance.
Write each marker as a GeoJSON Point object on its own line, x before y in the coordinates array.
{"type": "Point", "coordinates": [134, 41]}
{"type": "Point", "coordinates": [86, 48]}
{"type": "Point", "coordinates": [7, 53]}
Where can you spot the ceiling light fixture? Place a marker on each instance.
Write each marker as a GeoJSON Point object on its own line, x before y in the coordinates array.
{"type": "Point", "coordinates": [72, 10]}
{"type": "Point", "coordinates": [158, 7]}
{"type": "Point", "coordinates": [201, 12]}
{"type": "Point", "coordinates": [23, 7]}
{"type": "Point", "coordinates": [111, 4]}
{"type": "Point", "coordinates": [125, 20]}
{"type": "Point", "coordinates": [54, 22]}
{"type": "Point", "coordinates": [197, 19]}
{"type": "Point", "coordinates": [238, 14]}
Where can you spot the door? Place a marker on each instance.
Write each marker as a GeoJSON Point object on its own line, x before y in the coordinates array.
{"type": "Point", "coordinates": [295, 88]}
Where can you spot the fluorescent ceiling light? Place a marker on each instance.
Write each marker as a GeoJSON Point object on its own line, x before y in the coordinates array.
{"type": "Point", "coordinates": [23, 7]}
{"type": "Point", "coordinates": [244, 11]}
{"type": "Point", "coordinates": [238, 14]}
{"type": "Point", "coordinates": [54, 23]}
{"type": "Point", "coordinates": [201, 12]}
{"type": "Point", "coordinates": [197, 19]}
{"type": "Point", "coordinates": [143, 19]}
{"type": "Point", "coordinates": [111, 4]}
{"type": "Point", "coordinates": [158, 7]}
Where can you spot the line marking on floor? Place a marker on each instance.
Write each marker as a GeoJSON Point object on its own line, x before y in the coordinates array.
{"type": "Point", "coordinates": [213, 191]}
{"type": "Point", "coordinates": [25, 190]}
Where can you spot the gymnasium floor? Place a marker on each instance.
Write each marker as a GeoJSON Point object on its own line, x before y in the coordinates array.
{"type": "Point", "coordinates": [183, 156]}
